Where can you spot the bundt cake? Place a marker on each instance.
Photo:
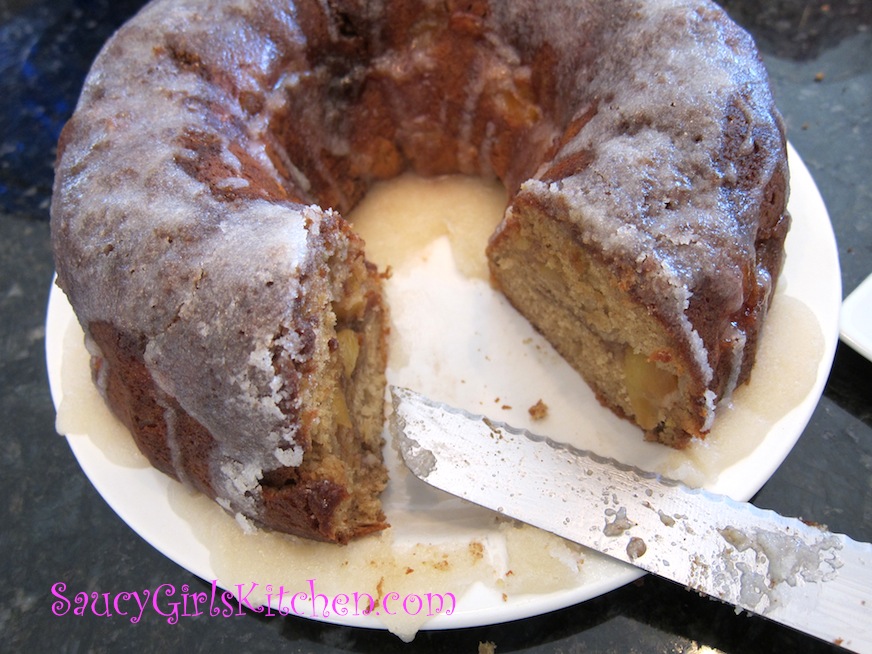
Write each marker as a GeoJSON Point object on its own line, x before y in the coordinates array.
{"type": "Point", "coordinates": [234, 323]}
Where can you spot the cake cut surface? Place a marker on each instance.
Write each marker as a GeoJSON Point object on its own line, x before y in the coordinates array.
{"type": "Point", "coordinates": [234, 322]}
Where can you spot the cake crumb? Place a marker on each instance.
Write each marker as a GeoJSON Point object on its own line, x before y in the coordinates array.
{"type": "Point", "coordinates": [539, 411]}
{"type": "Point", "coordinates": [487, 648]}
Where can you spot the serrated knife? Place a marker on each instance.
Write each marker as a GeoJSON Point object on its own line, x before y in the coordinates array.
{"type": "Point", "coordinates": [789, 571]}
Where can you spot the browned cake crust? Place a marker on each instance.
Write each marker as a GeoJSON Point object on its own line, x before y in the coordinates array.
{"type": "Point", "coordinates": [234, 323]}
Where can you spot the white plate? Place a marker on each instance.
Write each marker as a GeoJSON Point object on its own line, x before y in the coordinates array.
{"type": "Point", "coordinates": [856, 322]}
{"type": "Point", "coordinates": [459, 356]}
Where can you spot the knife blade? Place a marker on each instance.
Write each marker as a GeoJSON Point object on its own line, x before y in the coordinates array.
{"type": "Point", "coordinates": [787, 570]}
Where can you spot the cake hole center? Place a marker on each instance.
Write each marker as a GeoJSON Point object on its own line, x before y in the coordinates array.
{"type": "Point", "coordinates": [400, 217]}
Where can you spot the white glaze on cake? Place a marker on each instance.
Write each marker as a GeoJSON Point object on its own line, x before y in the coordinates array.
{"type": "Point", "coordinates": [186, 211]}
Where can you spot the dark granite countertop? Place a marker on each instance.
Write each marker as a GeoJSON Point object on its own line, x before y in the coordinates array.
{"type": "Point", "coordinates": [55, 527]}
